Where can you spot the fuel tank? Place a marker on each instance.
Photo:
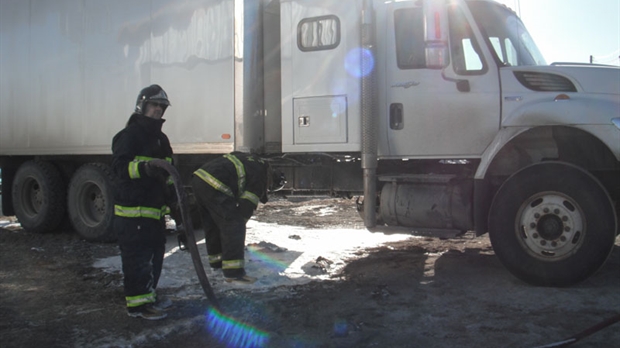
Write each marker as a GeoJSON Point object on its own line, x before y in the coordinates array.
{"type": "Point", "coordinates": [427, 202]}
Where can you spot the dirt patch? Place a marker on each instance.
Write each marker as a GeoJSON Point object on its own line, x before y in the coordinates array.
{"type": "Point", "coordinates": [422, 292]}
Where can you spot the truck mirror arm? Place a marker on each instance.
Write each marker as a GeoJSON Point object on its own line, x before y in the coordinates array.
{"type": "Point", "coordinates": [462, 85]}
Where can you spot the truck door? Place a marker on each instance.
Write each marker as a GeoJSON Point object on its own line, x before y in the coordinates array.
{"type": "Point", "coordinates": [452, 112]}
{"type": "Point", "coordinates": [320, 97]}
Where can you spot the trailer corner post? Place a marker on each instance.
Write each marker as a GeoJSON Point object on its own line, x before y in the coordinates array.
{"type": "Point", "coordinates": [369, 122]}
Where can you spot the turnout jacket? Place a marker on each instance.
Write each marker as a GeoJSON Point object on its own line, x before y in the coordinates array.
{"type": "Point", "coordinates": [135, 193]}
{"type": "Point", "coordinates": [240, 177]}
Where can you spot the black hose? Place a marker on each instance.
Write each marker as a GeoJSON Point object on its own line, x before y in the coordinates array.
{"type": "Point", "coordinates": [587, 332]}
{"type": "Point", "coordinates": [189, 231]}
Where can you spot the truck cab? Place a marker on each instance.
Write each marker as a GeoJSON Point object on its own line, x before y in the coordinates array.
{"type": "Point", "coordinates": [466, 114]}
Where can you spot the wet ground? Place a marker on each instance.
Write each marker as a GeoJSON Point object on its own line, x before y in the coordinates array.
{"type": "Point", "coordinates": [407, 292]}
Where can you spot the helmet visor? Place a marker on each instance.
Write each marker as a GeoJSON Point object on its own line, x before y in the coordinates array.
{"type": "Point", "coordinates": [159, 98]}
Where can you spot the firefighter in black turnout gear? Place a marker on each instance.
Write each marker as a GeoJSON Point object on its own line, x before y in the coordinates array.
{"type": "Point", "coordinates": [142, 194]}
{"type": "Point", "coordinates": [228, 189]}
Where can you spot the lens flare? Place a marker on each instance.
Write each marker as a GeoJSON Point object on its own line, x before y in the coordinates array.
{"type": "Point", "coordinates": [269, 261]}
{"type": "Point", "coordinates": [354, 62]}
{"type": "Point", "coordinates": [341, 328]}
{"type": "Point", "coordinates": [233, 333]}
{"type": "Point", "coordinates": [336, 109]}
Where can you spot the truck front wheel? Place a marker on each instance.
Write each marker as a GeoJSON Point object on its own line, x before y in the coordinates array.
{"type": "Point", "coordinates": [90, 202]}
{"type": "Point", "coordinates": [552, 224]}
{"type": "Point", "coordinates": [39, 196]}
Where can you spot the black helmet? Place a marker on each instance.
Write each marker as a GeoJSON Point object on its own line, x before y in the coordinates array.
{"type": "Point", "coordinates": [153, 94]}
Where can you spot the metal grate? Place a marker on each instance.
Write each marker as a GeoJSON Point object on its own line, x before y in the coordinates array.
{"type": "Point", "coordinates": [545, 82]}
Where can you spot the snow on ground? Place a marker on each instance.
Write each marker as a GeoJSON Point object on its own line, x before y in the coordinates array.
{"type": "Point", "coordinates": [276, 254]}
{"type": "Point", "coordinates": [9, 223]}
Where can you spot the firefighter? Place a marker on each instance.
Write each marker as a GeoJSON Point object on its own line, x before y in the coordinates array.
{"type": "Point", "coordinates": [228, 190]}
{"type": "Point", "coordinates": [141, 194]}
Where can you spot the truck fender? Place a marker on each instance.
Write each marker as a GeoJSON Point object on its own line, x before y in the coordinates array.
{"type": "Point", "coordinates": [571, 112]}
{"type": "Point", "coordinates": [502, 138]}
{"type": "Point", "coordinates": [563, 110]}
{"type": "Point", "coordinates": [482, 188]}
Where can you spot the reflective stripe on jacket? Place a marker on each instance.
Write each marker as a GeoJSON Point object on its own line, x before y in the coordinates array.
{"type": "Point", "coordinates": [134, 172]}
{"type": "Point", "coordinates": [241, 181]}
{"type": "Point", "coordinates": [144, 212]}
{"type": "Point", "coordinates": [216, 184]}
{"type": "Point", "coordinates": [132, 148]}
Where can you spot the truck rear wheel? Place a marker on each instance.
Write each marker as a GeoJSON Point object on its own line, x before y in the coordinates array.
{"type": "Point", "coordinates": [39, 196]}
{"type": "Point", "coordinates": [552, 224]}
{"type": "Point", "coordinates": [90, 202]}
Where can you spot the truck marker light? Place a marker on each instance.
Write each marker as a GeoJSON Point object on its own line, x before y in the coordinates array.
{"type": "Point", "coordinates": [561, 97]}
{"type": "Point", "coordinates": [226, 136]}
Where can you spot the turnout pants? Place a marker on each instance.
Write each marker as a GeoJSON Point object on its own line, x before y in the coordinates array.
{"type": "Point", "coordinates": [142, 242]}
{"type": "Point", "coordinates": [224, 228]}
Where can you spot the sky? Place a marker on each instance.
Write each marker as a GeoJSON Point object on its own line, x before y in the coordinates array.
{"type": "Point", "coordinates": [572, 30]}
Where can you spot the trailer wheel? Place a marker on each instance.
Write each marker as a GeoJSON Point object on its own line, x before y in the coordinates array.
{"type": "Point", "coordinates": [90, 202]}
{"type": "Point", "coordinates": [552, 224]}
{"type": "Point", "coordinates": [39, 196]}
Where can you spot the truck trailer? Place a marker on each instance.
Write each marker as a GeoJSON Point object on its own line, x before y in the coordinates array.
{"type": "Point", "coordinates": [442, 116]}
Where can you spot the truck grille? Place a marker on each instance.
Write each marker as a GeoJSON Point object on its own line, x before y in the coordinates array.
{"type": "Point", "coordinates": [545, 82]}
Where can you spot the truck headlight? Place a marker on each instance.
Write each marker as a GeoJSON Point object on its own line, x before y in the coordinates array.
{"type": "Point", "coordinates": [616, 122]}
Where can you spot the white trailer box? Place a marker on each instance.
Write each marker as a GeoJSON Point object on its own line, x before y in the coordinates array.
{"type": "Point", "coordinates": [71, 71]}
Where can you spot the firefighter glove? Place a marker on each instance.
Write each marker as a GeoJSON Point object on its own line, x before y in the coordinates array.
{"type": "Point", "coordinates": [155, 172]}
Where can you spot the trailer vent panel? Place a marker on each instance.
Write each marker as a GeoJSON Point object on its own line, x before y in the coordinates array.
{"type": "Point", "coordinates": [544, 82]}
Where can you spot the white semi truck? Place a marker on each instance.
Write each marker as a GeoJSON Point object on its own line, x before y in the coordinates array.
{"type": "Point", "coordinates": [442, 114]}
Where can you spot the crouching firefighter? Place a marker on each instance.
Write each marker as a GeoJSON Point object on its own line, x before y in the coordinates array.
{"type": "Point", "coordinates": [142, 194]}
{"type": "Point", "coordinates": [228, 189]}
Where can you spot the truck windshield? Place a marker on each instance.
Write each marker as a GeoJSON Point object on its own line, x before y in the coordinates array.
{"type": "Point", "coordinates": [505, 32]}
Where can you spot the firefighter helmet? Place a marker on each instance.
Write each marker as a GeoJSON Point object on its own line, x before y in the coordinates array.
{"type": "Point", "coordinates": [152, 94]}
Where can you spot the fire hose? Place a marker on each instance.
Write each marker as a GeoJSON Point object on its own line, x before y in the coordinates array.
{"type": "Point", "coordinates": [189, 231]}
{"type": "Point", "coordinates": [206, 286]}
{"type": "Point", "coordinates": [587, 332]}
